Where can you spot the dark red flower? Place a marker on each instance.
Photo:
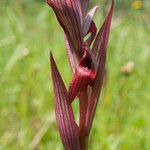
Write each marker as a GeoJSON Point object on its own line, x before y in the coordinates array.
{"type": "Point", "coordinates": [84, 75]}
{"type": "Point", "coordinates": [87, 61]}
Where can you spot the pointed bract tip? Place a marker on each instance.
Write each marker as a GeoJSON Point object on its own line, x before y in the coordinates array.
{"type": "Point", "coordinates": [51, 58]}
{"type": "Point", "coordinates": [51, 55]}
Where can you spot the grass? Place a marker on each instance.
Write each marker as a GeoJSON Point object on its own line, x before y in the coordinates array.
{"type": "Point", "coordinates": [27, 33]}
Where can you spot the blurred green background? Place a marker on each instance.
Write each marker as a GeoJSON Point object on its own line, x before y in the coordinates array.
{"type": "Point", "coordinates": [28, 30]}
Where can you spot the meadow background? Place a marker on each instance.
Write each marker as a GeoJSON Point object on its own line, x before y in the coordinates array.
{"type": "Point", "coordinates": [28, 30]}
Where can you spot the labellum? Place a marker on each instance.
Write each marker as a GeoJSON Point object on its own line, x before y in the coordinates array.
{"type": "Point", "coordinates": [83, 76]}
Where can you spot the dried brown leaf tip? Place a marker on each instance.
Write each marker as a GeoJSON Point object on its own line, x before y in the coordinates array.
{"type": "Point", "coordinates": [88, 65]}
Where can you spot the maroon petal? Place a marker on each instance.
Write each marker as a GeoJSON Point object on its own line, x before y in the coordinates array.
{"type": "Point", "coordinates": [69, 15]}
{"type": "Point", "coordinates": [101, 41]}
{"type": "Point", "coordinates": [99, 50]}
{"type": "Point", "coordinates": [73, 57]}
{"type": "Point", "coordinates": [82, 78]}
{"type": "Point", "coordinates": [68, 129]}
{"type": "Point", "coordinates": [88, 20]}
{"type": "Point", "coordinates": [92, 31]}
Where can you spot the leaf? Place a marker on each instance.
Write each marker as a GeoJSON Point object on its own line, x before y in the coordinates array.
{"type": "Point", "coordinates": [68, 129]}
{"type": "Point", "coordinates": [69, 15]}
{"type": "Point", "coordinates": [99, 51]}
{"type": "Point", "coordinates": [85, 4]}
{"type": "Point", "coordinates": [73, 57]}
{"type": "Point", "coordinates": [101, 41]}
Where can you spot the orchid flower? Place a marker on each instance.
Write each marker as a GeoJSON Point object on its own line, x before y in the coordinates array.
{"type": "Point", "coordinates": [87, 58]}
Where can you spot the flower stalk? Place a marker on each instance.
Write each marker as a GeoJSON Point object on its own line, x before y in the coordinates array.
{"type": "Point", "coordinates": [87, 60]}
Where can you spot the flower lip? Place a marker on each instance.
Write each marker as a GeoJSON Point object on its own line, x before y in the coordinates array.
{"type": "Point", "coordinates": [83, 77]}
{"type": "Point", "coordinates": [86, 63]}
{"type": "Point", "coordinates": [86, 66]}
{"type": "Point", "coordinates": [87, 73]}
{"type": "Point", "coordinates": [87, 60]}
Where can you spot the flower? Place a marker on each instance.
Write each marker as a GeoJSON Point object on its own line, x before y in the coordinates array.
{"type": "Point", "coordinates": [87, 61]}
{"type": "Point", "coordinates": [128, 67]}
{"type": "Point", "coordinates": [137, 4]}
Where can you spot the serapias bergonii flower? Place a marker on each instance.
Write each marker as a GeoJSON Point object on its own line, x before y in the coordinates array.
{"type": "Point", "coordinates": [87, 58]}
